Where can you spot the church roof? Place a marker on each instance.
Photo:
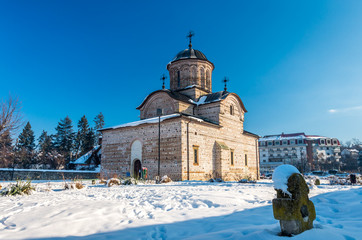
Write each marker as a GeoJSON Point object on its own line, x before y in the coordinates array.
{"type": "Point", "coordinates": [162, 118]}
{"type": "Point", "coordinates": [190, 53]}
{"type": "Point", "coordinates": [216, 97]}
{"type": "Point", "coordinates": [173, 94]}
{"type": "Point", "coordinates": [205, 99]}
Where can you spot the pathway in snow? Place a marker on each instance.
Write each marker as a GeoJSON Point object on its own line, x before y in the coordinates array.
{"type": "Point", "coordinates": [182, 210]}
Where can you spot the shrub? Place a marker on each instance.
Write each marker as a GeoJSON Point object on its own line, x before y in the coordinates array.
{"type": "Point", "coordinates": [317, 182]}
{"type": "Point", "coordinates": [130, 181]}
{"type": "Point", "coordinates": [20, 188]}
{"type": "Point", "coordinates": [113, 181]}
{"type": "Point", "coordinates": [79, 185]}
{"type": "Point", "coordinates": [166, 179]}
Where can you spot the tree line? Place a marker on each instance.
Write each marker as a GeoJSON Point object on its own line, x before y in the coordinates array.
{"type": "Point", "coordinates": [51, 151]}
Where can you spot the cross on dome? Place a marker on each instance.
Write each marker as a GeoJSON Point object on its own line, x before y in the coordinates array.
{"type": "Point", "coordinates": [225, 80]}
{"type": "Point", "coordinates": [189, 36]}
{"type": "Point", "coordinates": [163, 77]}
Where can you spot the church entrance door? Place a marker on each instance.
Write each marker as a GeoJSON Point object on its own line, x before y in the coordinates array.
{"type": "Point", "coordinates": [137, 169]}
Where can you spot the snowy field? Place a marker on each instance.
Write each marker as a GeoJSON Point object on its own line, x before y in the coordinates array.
{"type": "Point", "coordinates": [178, 210]}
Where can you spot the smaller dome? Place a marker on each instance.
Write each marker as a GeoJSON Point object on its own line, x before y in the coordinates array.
{"type": "Point", "coordinates": [190, 53]}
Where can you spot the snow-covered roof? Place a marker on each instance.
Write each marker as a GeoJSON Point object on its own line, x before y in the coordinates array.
{"type": "Point", "coordinates": [83, 159]}
{"type": "Point", "coordinates": [190, 86]}
{"type": "Point", "coordinates": [153, 120]}
{"type": "Point", "coordinates": [144, 121]}
{"type": "Point", "coordinates": [210, 98]}
{"type": "Point", "coordinates": [283, 137]}
{"type": "Point", "coordinates": [291, 136]}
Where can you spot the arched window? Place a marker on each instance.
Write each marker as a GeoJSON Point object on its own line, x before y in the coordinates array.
{"type": "Point", "coordinates": [193, 75]}
{"type": "Point", "coordinates": [178, 79]}
{"type": "Point", "coordinates": [208, 80]}
{"type": "Point", "coordinates": [202, 77]}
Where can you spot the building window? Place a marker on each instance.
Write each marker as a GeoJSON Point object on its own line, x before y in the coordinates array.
{"type": "Point", "coordinates": [196, 154]}
{"type": "Point", "coordinates": [246, 159]}
{"type": "Point", "coordinates": [285, 142]}
{"type": "Point", "coordinates": [270, 143]}
{"type": "Point", "coordinates": [300, 141]}
{"type": "Point", "coordinates": [277, 143]}
{"type": "Point", "coordinates": [178, 79]}
{"type": "Point", "coordinates": [232, 157]}
{"type": "Point", "coordinates": [231, 110]}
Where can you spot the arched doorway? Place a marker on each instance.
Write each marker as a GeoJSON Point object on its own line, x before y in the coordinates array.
{"type": "Point", "coordinates": [137, 169]}
{"type": "Point", "coordinates": [136, 158]}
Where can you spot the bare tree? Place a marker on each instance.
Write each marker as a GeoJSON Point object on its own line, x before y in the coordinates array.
{"type": "Point", "coordinates": [10, 121]}
{"type": "Point", "coordinates": [10, 116]}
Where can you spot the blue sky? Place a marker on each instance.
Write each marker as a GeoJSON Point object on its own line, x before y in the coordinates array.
{"type": "Point", "coordinates": [295, 64]}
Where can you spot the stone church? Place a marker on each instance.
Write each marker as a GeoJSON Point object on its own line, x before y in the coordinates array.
{"type": "Point", "coordinates": [200, 133]}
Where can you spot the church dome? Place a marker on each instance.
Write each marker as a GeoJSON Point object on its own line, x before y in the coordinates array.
{"type": "Point", "coordinates": [190, 53]}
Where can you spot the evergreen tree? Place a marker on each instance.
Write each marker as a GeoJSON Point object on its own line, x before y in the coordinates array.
{"type": "Point", "coordinates": [64, 138]}
{"type": "Point", "coordinates": [89, 140]}
{"type": "Point", "coordinates": [77, 143]}
{"type": "Point", "coordinates": [45, 142]}
{"type": "Point", "coordinates": [27, 138]}
{"type": "Point", "coordinates": [99, 124]}
{"type": "Point", "coordinates": [25, 147]}
{"type": "Point", "coordinates": [83, 134]}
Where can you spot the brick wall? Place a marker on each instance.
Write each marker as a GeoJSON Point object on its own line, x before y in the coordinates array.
{"type": "Point", "coordinates": [116, 149]}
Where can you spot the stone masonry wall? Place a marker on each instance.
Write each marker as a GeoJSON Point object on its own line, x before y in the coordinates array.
{"type": "Point", "coordinates": [204, 137]}
{"type": "Point", "coordinates": [230, 133]}
{"type": "Point", "coordinates": [192, 72]}
{"type": "Point", "coordinates": [194, 93]}
{"type": "Point", "coordinates": [210, 111]}
{"type": "Point", "coordinates": [8, 175]}
{"type": "Point", "coordinates": [116, 149]}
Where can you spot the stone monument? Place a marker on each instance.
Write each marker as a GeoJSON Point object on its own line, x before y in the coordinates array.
{"type": "Point", "coordinates": [292, 206]}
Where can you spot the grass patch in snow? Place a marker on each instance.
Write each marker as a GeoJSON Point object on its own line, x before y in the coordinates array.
{"type": "Point", "coordinates": [19, 188]}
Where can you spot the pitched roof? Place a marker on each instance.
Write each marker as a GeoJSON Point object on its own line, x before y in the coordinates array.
{"type": "Point", "coordinates": [216, 97]}
{"type": "Point", "coordinates": [251, 134]}
{"type": "Point", "coordinates": [162, 118]}
{"type": "Point", "coordinates": [173, 94]}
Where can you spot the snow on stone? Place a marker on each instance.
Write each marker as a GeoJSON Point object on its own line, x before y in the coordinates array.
{"type": "Point", "coordinates": [177, 210]}
{"type": "Point", "coordinates": [281, 175]}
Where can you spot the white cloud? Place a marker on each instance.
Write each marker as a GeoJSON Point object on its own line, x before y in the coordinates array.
{"type": "Point", "coordinates": [342, 110]}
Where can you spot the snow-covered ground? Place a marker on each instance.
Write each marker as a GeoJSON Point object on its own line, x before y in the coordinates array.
{"type": "Point", "coordinates": [177, 210]}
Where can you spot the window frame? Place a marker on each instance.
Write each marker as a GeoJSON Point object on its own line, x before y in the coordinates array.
{"type": "Point", "coordinates": [231, 110]}
{"type": "Point", "coordinates": [196, 161]}
{"type": "Point", "coordinates": [232, 157]}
